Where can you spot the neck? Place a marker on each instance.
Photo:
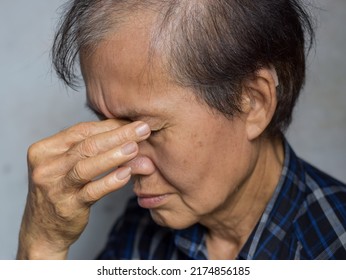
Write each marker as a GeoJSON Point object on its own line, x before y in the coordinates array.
{"type": "Point", "coordinates": [230, 228]}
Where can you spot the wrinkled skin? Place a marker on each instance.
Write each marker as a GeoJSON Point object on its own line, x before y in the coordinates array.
{"type": "Point", "coordinates": [62, 188]}
{"type": "Point", "coordinates": [191, 164]}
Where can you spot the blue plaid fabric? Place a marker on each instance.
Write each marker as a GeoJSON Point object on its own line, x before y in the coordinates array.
{"type": "Point", "coordinates": [305, 219]}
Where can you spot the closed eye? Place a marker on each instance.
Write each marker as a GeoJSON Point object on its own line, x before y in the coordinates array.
{"type": "Point", "coordinates": [155, 132]}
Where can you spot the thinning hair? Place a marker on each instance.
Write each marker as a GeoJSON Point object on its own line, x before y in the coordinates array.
{"type": "Point", "coordinates": [211, 46]}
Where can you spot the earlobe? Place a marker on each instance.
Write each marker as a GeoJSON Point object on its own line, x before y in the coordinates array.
{"type": "Point", "coordinates": [259, 102]}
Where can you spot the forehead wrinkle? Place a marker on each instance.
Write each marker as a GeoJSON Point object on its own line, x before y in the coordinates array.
{"type": "Point", "coordinates": [151, 75]}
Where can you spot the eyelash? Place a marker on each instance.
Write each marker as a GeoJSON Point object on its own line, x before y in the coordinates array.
{"type": "Point", "coordinates": [154, 132]}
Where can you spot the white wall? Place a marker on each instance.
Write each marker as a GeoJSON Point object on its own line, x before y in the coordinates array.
{"type": "Point", "coordinates": [33, 105]}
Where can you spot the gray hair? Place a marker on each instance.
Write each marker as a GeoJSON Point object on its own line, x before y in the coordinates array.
{"type": "Point", "coordinates": [211, 46]}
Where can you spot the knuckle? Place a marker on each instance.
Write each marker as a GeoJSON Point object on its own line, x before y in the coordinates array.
{"type": "Point", "coordinates": [94, 192]}
{"type": "Point", "coordinates": [33, 152]}
{"type": "Point", "coordinates": [39, 175]}
{"type": "Point", "coordinates": [91, 195]}
{"type": "Point", "coordinates": [125, 134]}
{"type": "Point", "coordinates": [78, 174]}
{"type": "Point", "coordinates": [88, 147]}
{"type": "Point", "coordinates": [82, 129]}
{"type": "Point", "coordinates": [109, 182]}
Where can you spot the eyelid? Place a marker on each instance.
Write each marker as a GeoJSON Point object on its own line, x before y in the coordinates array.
{"type": "Point", "coordinates": [155, 131]}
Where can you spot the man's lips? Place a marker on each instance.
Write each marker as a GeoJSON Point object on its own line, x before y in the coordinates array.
{"type": "Point", "coordinates": [151, 200]}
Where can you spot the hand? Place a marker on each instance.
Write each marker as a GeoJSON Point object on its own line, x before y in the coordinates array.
{"type": "Point", "coordinates": [65, 180]}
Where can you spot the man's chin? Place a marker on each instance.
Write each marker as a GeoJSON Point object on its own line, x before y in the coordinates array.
{"type": "Point", "coordinates": [170, 220]}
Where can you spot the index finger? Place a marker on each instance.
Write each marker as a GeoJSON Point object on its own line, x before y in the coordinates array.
{"type": "Point", "coordinates": [65, 139]}
{"type": "Point", "coordinates": [102, 142]}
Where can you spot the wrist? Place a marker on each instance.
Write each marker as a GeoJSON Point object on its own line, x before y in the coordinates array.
{"type": "Point", "coordinates": [34, 247]}
{"type": "Point", "coordinates": [39, 251]}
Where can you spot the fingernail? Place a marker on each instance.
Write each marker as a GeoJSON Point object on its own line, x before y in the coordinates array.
{"type": "Point", "coordinates": [142, 130]}
{"type": "Point", "coordinates": [129, 148]}
{"type": "Point", "coordinates": [123, 173]}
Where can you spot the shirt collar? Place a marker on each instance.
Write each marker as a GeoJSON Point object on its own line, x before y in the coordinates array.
{"type": "Point", "coordinates": [281, 209]}
{"type": "Point", "coordinates": [191, 242]}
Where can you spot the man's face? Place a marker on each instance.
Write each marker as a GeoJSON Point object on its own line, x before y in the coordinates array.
{"type": "Point", "coordinates": [194, 161]}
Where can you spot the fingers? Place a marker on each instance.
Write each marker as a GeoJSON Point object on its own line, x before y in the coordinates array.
{"type": "Point", "coordinates": [65, 177]}
{"type": "Point", "coordinates": [95, 190]}
{"type": "Point", "coordinates": [87, 169]}
{"type": "Point", "coordinates": [65, 159]}
{"type": "Point", "coordinates": [102, 142]}
{"type": "Point", "coordinates": [84, 130]}
{"type": "Point", "coordinates": [64, 140]}
{"type": "Point", "coordinates": [102, 152]}
{"type": "Point", "coordinates": [89, 158]}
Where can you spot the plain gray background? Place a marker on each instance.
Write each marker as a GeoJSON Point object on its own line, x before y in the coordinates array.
{"type": "Point", "coordinates": [34, 105]}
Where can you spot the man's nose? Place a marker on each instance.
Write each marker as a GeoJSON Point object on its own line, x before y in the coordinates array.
{"type": "Point", "coordinates": [141, 165]}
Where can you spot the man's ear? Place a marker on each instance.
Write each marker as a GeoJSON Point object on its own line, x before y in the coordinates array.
{"type": "Point", "coordinates": [259, 101]}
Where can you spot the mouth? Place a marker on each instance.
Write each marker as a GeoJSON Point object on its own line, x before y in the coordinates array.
{"type": "Point", "coordinates": [151, 201]}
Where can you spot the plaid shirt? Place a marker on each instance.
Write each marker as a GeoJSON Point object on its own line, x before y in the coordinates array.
{"type": "Point", "coordinates": [305, 219]}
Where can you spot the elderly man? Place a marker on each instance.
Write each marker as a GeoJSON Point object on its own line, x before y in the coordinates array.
{"type": "Point", "coordinates": [194, 97]}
